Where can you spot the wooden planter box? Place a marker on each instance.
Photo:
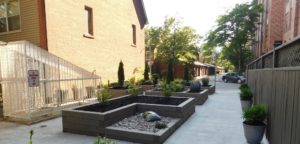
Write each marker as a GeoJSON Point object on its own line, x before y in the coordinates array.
{"type": "Point", "coordinates": [211, 89]}
{"type": "Point", "coordinates": [78, 120]}
{"type": "Point", "coordinates": [199, 98]}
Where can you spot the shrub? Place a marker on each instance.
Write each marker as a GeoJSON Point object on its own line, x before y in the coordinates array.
{"type": "Point", "coordinates": [246, 94]}
{"type": "Point", "coordinates": [103, 95]}
{"type": "Point", "coordinates": [177, 85]}
{"type": "Point", "coordinates": [166, 90]}
{"type": "Point", "coordinates": [121, 76]}
{"type": "Point", "coordinates": [132, 81]}
{"type": "Point", "coordinates": [133, 90]}
{"type": "Point", "coordinates": [255, 115]}
{"type": "Point", "coordinates": [244, 86]}
{"type": "Point", "coordinates": [205, 81]}
{"type": "Point", "coordinates": [160, 125]}
{"type": "Point", "coordinates": [103, 141]}
{"type": "Point", "coordinates": [146, 71]}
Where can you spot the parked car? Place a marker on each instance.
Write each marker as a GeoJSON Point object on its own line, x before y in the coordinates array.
{"type": "Point", "coordinates": [234, 77]}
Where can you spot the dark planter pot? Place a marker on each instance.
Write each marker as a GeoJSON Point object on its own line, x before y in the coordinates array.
{"type": "Point", "coordinates": [246, 104]}
{"type": "Point", "coordinates": [254, 133]}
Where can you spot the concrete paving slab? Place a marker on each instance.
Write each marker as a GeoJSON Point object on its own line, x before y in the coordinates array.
{"type": "Point", "coordinates": [218, 121]}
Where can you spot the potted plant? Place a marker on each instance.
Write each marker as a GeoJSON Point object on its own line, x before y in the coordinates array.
{"type": "Point", "coordinates": [246, 98]}
{"type": "Point", "coordinates": [243, 86]}
{"type": "Point", "coordinates": [254, 126]}
{"type": "Point", "coordinates": [103, 95]}
{"type": "Point", "coordinates": [195, 86]}
{"type": "Point", "coordinates": [205, 81]}
{"type": "Point", "coordinates": [206, 85]}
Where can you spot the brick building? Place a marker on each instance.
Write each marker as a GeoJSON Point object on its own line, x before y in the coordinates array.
{"type": "Point", "coordinates": [278, 24]}
{"type": "Point", "coordinates": [92, 34]}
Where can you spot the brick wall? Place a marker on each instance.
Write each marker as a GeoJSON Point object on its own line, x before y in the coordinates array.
{"type": "Point", "coordinates": [29, 24]}
{"type": "Point", "coordinates": [112, 42]}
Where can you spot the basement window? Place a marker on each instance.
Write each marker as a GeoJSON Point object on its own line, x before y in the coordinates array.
{"type": "Point", "coordinates": [9, 16]}
{"type": "Point", "coordinates": [89, 22]}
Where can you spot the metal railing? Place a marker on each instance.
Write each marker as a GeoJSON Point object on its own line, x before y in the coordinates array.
{"type": "Point", "coordinates": [61, 83]}
{"type": "Point", "coordinates": [286, 55]}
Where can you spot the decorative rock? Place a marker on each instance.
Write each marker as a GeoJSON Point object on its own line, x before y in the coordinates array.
{"type": "Point", "coordinates": [137, 122]}
{"type": "Point", "coordinates": [151, 116]}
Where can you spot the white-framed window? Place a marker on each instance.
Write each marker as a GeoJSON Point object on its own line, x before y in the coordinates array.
{"type": "Point", "coordinates": [9, 16]}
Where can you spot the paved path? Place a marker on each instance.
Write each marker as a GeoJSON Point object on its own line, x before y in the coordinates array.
{"type": "Point", "coordinates": [218, 121]}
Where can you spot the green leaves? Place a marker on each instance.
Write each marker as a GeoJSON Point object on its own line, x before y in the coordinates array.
{"type": "Point", "coordinates": [235, 32]}
{"type": "Point", "coordinates": [255, 115]}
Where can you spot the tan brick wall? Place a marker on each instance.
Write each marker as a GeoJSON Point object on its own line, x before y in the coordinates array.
{"type": "Point", "coordinates": [29, 24]}
{"type": "Point", "coordinates": [113, 19]}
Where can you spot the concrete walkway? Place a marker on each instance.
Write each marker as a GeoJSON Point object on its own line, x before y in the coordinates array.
{"type": "Point", "coordinates": [218, 121]}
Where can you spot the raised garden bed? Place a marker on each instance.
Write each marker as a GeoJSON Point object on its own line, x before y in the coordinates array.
{"type": "Point", "coordinates": [211, 89]}
{"type": "Point", "coordinates": [121, 92]}
{"type": "Point", "coordinates": [200, 97]}
{"type": "Point", "coordinates": [96, 120]}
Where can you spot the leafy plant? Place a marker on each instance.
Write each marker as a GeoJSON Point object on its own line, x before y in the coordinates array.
{"type": "Point", "coordinates": [244, 86]}
{"type": "Point", "coordinates": [205, 81]}
{"type": "Point", "coordinates": [255, 115]}
{"type": "Point", "coordinates": [132, 81]}
{"type": "Point", "coordinates": [166, 90]}
{"type": "Point", "coordinates": [121, 76]}
{"type": "Point", "coordinates": [246, 94]}
{"type": "Point", "coordinates": [133, 90]}
{"type": "Point", "coordinates": [160, 125]}
{"type": "Point", "coordinates": [31, 132]}
{"type": "Point", "coordinates": [103, 141]}
{"type": "Point", "coordinates": [177, 85]}
{"type": "Point", "coordinates": [103, 95]}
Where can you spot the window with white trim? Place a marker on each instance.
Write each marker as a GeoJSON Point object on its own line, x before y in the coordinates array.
{"type": "Point", "coordinates": [9, 16]}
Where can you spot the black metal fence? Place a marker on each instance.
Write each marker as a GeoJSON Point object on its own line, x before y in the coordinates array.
{"type": "Point", "coordinates": [286, 55]}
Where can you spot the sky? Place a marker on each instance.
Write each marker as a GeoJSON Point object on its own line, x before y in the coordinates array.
{"type": "Point", "coordinates": [198, 14]}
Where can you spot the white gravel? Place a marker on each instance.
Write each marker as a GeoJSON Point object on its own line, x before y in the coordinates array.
{"type": "Point", "coordinates": [137, 122]}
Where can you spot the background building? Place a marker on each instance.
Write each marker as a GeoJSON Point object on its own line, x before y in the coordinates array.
{"type": "Point", "coordinates": [94, 35]}
{"type": "Point", "coordinates": [279, 23]}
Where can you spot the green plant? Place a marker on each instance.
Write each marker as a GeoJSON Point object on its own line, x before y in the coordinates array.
{"type": "Point", "coordinates": [133, 90]}
{"type": "Point", "coordinates": [246, 94]}
{"type": "Point", "coordinates": [205, 81]}
{"type": "Point", "coordinates": [244, 86]}
{"type": "Point", "coordinates": [177, 85]}
{"type": "Point", "coordinates": [166, 89]}
{"type": "Point", "coordinates": [31, 132]}
{"type": "Point", "coordinates": [146, 71]}
{"type": "Point", "coordinates": [160, 125]}
{"type": "Point", "coordinates": [121, 76]}
{"type": "Point", "coordinates": [255, 115]}
{"type": "Point", "coordinates": [103, 95]}
{"type": "Point", "coordinates": [103, 140]}
{"type": "Point", "coordinates": [132, 81]}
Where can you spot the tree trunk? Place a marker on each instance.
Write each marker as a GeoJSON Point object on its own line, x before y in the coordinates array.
{"type": "Point", "coordinates": [170, 75]}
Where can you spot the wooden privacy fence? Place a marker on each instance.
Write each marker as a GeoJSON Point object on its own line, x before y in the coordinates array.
{"type": "Point", "coordinates": [279, 90]}
{"type": "Point", "coordinates": [274, 79]}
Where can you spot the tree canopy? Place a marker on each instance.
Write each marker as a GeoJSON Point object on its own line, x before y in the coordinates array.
{"type": "Point", "coordinates": [235, 32]}
{"type": "Point", "coordinates": [173, 43]}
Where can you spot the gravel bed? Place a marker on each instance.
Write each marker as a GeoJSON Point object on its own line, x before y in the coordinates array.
{"type": "Point", "coordinates": [137, 122]}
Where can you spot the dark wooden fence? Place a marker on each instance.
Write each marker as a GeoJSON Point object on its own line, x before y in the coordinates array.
{"type": "Point", "coordinates": [275, 81]}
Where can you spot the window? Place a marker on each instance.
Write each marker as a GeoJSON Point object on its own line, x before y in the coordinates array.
{"type": "Point", "coordinates": [89, 21]}
{"type": "Point", "coordinates": [9, 16]}
{"type": "Point", "coordinates": [133, 34]}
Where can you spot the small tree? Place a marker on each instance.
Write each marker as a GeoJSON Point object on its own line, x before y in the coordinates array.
{"type": "Point", "coordinates": [146, 72]}
{"type": "Point", "coordinates": [121, 76]}
{"type": "Point", "coordinates": [186, 73]}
